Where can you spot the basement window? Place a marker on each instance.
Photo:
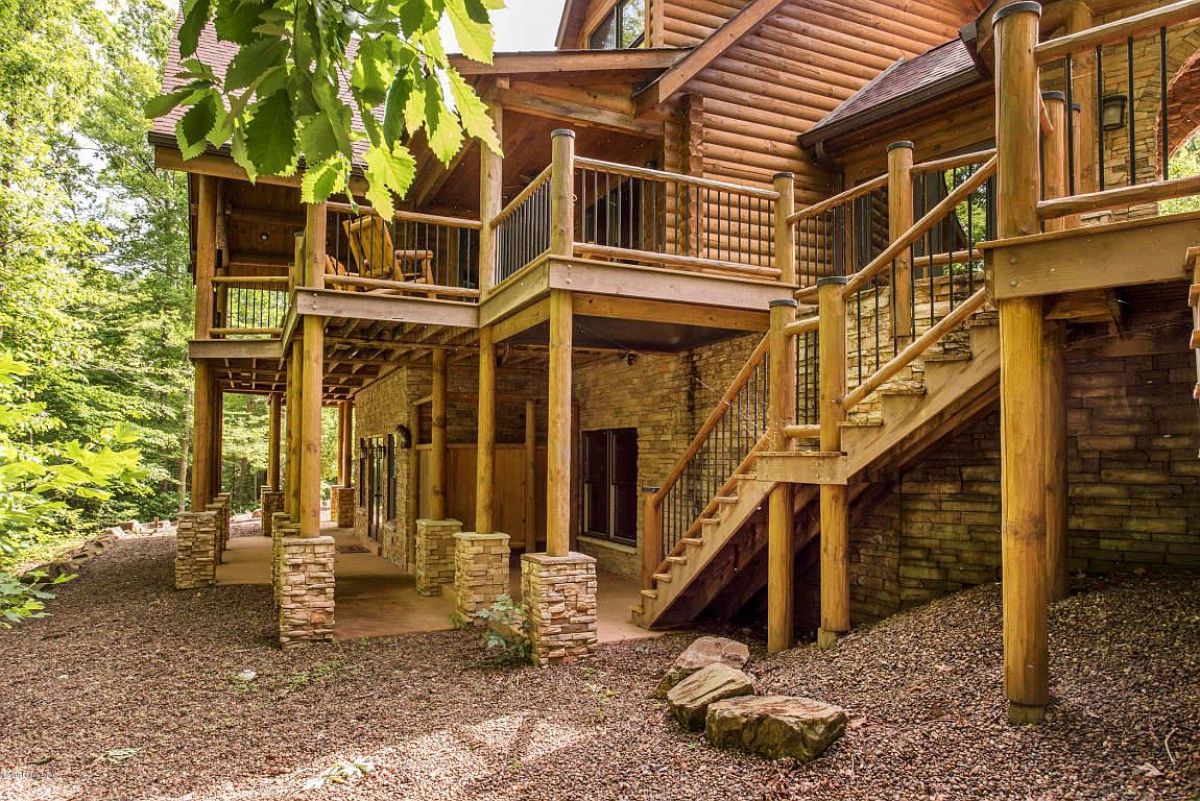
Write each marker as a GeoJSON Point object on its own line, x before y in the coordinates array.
{"type": "Point", "coordinates": [610, 488]}
{"type": "Point", "coordinates": [622, 28]}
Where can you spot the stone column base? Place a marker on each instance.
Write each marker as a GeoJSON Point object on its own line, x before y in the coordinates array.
{"type": "Point", "coordinates": [341, 506]}
{"type": "Point", "coordinates": [196, 550]}
{"type": "Point", "coordinates": [281, 526]}
{"type": "Point", "coordinates": [435, 554]}
{"type": "Point", "coordinates": [480, 574]}
{"type": "Point", "coordinates": [272, 502]}
{"type": "Point", "coordinates": [559, 595]}
{"type": "Point", "coordinates": [306, 590]}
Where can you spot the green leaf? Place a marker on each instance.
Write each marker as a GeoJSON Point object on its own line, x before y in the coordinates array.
{"type": "Point", "coordinates": [393, 115]}
{"type": "Point", "coordinates": [472, 29]}
{"type": "Point", "coordinates": [162, 104]}
{"type": "Point", "coordinates": [373, 69]}
{"type": "Point", "coordinates": [388, 169]}
{"type": "Point", "coordinates": [237, 149]}
{"type": "Point", "coordinates": [236, 20]}
{"type": "Point", "coordinates": [252, 61]}
{"type": "Point", "coordinates": [323, 180]}
{"type": "Point", "coordinates": [195, 17]}
{"type": "Point", "coordinates": [473, 112]}
{"type": "Point", "coordinates": [318, 142]}
{"type": "Point", "coordinates": [192, 131]}
{"type": "Point", "coordinates": [271, 135]}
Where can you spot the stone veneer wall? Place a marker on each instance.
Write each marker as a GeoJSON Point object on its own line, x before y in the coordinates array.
{"type": "Point", "coordinates": [196, 549]}
{"type": "Point", "coordinates": [342, 506]}
{"type": "Point", "coordinates": [1134, 503]}
{"type": "Point", "coordinates": [480, 573]}
{"type": "Point", "coordinates": [306, 590]}
{"type": "Point", "coordinates": [272, 502]}
{"type": "Point", "coordinates": [435, 554]}
{"type": "Point", "coordinates": [559, 596]}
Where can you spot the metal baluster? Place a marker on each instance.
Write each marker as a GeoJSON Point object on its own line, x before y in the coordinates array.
{"type": "Point", "coordinates": [1165, 158]}
{"type": "Point", "coordinates": [1131, 115]}
{"type": "Point", "coordinates": [1069, 78]}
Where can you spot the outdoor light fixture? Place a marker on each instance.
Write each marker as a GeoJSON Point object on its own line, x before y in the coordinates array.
{"type": "Point", "coordinates": [264, 236]}
{"type": "Point", "coordinates": [1113, 113]}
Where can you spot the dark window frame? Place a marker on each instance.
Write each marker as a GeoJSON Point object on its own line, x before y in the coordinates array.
{"type": "Point", "coordinates": [616, 19]}
{"type": "Point", "coordinates": [611, 515]}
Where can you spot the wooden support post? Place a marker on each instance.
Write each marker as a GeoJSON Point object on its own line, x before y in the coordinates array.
{"type": "Point", "coordinates": [206, 252]}
{"type": "Point", "coordinates": [652, 542]}
{"type": "Point", "coordinates": [202, 435]}
{"type": "Point", "coordinates": [530, 476]}
{"type": "Point", "coordinates": [491, 198]}
{"type": "Point", "coordinates": [1022, 422]}
{"type": "Point", "coordinates": [485, 446]}
{"type": "Point", "coordinates": [835, 529]}
{"type": "Point", "coordinates": [218, 427]}
{"type": "Point", "coordinates": [437, 439]}
{"type": "Point", "coordinates": [781, 558]}
{"type": "Point", "coordinates": [785, 244]}
{"type": "Point", "coordinates": [1054, 367]}
{"type": "Point", "coordinates": [273, 432]}
{"type": "Point", "coordinates": [1083, 94]}
{"type": "Point", "coordinates": [900, 219]}
{"type": "Point", "coordinates": [341, 444]}
{"type": "Point", "coordinates": [311, 397]}
{"type": "Point", "coordinates": [316, 217]}
{"type": "Point", "coordinates": [562, 192]}
{"type": "Point", "coordinates": [348, 439]}
{"type": "Point", "coordinates": [1054, 153]}
{"type": "Point", "coordinates": [291, 484]}
{"type": "Point", "coordinates": [558, 426]}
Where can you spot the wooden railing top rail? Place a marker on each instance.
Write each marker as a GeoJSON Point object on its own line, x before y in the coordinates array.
{"type": "Point", "coordinates": [391, 286]}
{"type": "Point", "coordinates": [919, 346]}
{"type": "Point", "coordinates": [807, 325]}
{"type": "Point", "coordinates": [1118, 30]}
{"type": "Point", "coordinates": [920, 227]}
{"type": "Point", "coordinates": [530, 188]}
{"type": "Point", "coordinates": [281, 280]}
{"type": "Point", "coordinates": [675, 177]}
{"type": "Point", "coordinates": [412, 216]}
{"type": "Point", "coordinates": [953, 162]}
{"type": "Point", "coordinates": [689, 263]}
{"type": "Point", "coordinates": [854, 192]}
{"type": "Point", "coordinates": [719, 410]}
{"type": "Point", "coordinates": [1119, 196]}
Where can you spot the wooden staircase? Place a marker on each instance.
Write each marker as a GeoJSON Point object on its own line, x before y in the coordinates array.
{"type": "Point", "coordinates": [720, 558]}
{"type": "Point", "coordinates": [1193, 261]}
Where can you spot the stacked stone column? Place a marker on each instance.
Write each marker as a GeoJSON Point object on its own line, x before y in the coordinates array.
{"type": "Point", "coordinates": [480, 573]}
{"type": "Point", "coordinates": [196, 536]}
{"type": "Point", "coordinates": [435, 554]}
{"type": "Point", "coordinates": [559, 594]}
{"type": "Point", "coordinates": [306, 585]}
{"type": "Point", "coordinates": [341, 506]}
{"type": "Point", "coordinates": [272, 503]}
{"type": "Point", "coordinates": [281, 526]}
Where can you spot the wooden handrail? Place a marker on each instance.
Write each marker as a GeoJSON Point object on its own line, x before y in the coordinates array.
{"type": "Point", "coordinates": [692, 263]}
{"type": "Point", "coordinates": [920, 227]}
{"type": "Point", "coordinates": [1117, 30]}
{"type": "Point", "coordinates": [951, 162]}
{"type": "Point", "coordinates": [719, 410]}
{"type": "Point", "coordinates": [530, 188]}
{"type": "Point", "coordinates": [1120, 196]}
{"type": "Point", "coordinates": [280, 280]}
{"type": "Point", "coordinates": [402, 287]}
{"type": "Point", "coordinates": [675, 177]}
{"type": "Point", "coordinates": [856, 191]}
{"type": "Point", "coordinates": [802, 326]}
{"type": "Point", "coordinates": [919, 346]}
{"type": "Point", "coordinates": [411, 216]}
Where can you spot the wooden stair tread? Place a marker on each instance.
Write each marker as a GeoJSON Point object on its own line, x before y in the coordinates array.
{"type": "Point", "coordinates": [942, 358]}
{"type": "Point", "coordinates": [651, 594]}
{"type": "Point", "coordinates": [692, 542]}
{"type": "Point", "coordinates": [663, 577]}
{"type": "Point", "coordinates": [677, 560]}
{"type": "Point", "coordinates": [726, 499]}
{"type": "Point", "coordinates": [1195, 343]}
{"type": "Point", "coordinates": [860, 424]}
{"type": "Point", "coordinates": [747, 476]}
{"type": "Point", "coordinates": [1194, 295]}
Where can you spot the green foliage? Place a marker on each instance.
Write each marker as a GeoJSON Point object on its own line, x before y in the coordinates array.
{"type": "Point", "coordinates": [507, 630]}
{"type": "Point", "coordinates": [304, 69]}
{"type": "Point", "coordinates": [1185, 161]}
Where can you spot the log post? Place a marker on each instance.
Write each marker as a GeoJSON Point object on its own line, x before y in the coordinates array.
{"type": "Point", "coordinates": [291, 484]}
{"type": "Point", "coordinates": [437, 439]}
{"type": "Point", "coordinates": [218, 437]}
{"type": "Point", "coordinates": [1057, 482]}
{"type": "Point", "coordinates": [1054, 153]}
{"type": "Point", "coordinates": [562, 192]}
{"type": "Point", "coordinates": [530, 475]}
{"type": "Point", "coordinates": [206, 253]}
{"type": "Point", "coordinates": [348, 440]}
{"type": "Point", "coordinates": [491, 198]}
{"type": "Point", "coordinates": [780, 413]}
{"type": "Point", "coordinates": [558, 431]}
{"type": "Point", "coordinates": [312, 375]}
{"type": "Point", "coordinates": [651, 537]}
{"type": "Point", "coordinates": [485, 445]}
{"type": "Point", "coordinates": [835, 531]}
{"type": "Point", "coordinates": [900, 219]}
{"type": "Point", "coordinates": [1083, 95]}
{"type": "Point", "coordinates": [273, 432]}
{"type": "Point", "coordinates": [341, 444]}
{"type": "Point", "coordinates": [202, 435]}
{"type": "Point", "coordinates": [785, 245]}
{"type": "Point", "coordinates": [1022, 390]}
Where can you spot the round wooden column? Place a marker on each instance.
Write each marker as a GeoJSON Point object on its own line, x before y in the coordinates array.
{"type": "Point", "coordinates": [485, 446]}
{"type": "Point", "coordinates": [274, 424]}
{"type": "Point", "coordinates": [437, 439]}
{"type": "Point", "coordinates": [558, 427]}
{"type": "Point", "coordinates": [781, 557]}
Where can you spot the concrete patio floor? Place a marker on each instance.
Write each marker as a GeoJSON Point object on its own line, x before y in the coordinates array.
{"type": "Point", "coordinates": [375, 599]}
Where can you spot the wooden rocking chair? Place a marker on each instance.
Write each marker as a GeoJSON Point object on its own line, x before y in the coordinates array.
{"type": "Point", "coordinates": [370, 240]}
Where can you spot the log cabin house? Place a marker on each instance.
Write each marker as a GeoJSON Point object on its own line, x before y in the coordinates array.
{"type": "Point", "coordinates": [795, 310]}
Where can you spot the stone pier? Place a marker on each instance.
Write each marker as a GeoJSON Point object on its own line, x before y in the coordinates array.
{"type": "Point", "coordinates": [196, 550]}
{"type": "Point", "coordinates": [272, 502]}
{"type": "Point", "coordinates": [435, 554]}
{"type": "Point", "coordinates": [341, 506]}
{"type": "Point", "coordinates": [559, 594]}
{"type": "Point", "coordinates": [480, 573]}
{"type": "Point", "coordinates": [306, 590]}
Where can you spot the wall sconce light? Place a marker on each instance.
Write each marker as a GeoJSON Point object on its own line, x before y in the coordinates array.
{"type": "Point", "coordinates": [1113, 113]}
{"type": "Point", "coordinates": [264, 236]}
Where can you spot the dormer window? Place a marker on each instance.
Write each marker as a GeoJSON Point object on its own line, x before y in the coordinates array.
{"type": "Point", "coordinates": [623, 27]}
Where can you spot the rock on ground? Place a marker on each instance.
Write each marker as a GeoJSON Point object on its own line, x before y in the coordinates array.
{"type": "Point", "coordinates": [702, 652]}
{"type": "Point", "coordinates": [775, 726]}
{"type": "Point", "coordinates": [690, 698]}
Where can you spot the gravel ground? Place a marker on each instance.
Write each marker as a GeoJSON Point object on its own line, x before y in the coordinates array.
{"type": "Point", "coordinates": [131, 691]}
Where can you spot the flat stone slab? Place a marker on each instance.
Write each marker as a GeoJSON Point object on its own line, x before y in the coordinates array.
{"type": "Point", "coordinates": [703, 651]}
{"type": "Point", "coordinates": [689, 699]}
{"type": "Point", "coordinates": [775, 726]}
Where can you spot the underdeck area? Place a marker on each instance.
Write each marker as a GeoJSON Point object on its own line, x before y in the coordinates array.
{"type": "Point", "coordinates": [376, 599]}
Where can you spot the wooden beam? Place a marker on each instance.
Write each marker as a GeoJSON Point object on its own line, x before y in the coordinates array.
{"type": "Point", "coordinates": [275, 403]}
{"type": "Point", "coordinates": [292, 480]}
{"type": "Point", "coordinates": [206, 253]}
{"type": "Point", "coordinates": [218, 166]}
{"type": "Point", "coordinates": [365, 306]}
{"type": "Point", "coordinates": [228, 349]}
{"type": "Point", "coordinates": [665, 311]}
{"type": "Point", "coordinates": [656, 283]}
{"type": "Point", "coordinates": [558, 435]}
{"type": "Point", "coordinates": [437, 453]}
{"type": "Point", "coordinates": [529, 317]}
{"type": "Point", "coordinates": [567, 61]}
{"type": "Point", "coordinates": [202, 435]}
{"type": "Point", "coordinates": [485, 465]}
{"type": "Point", "coordinates": [1022, 385]}
{"type": "Point", "coordinates": [535, 104]}
{"type": "Point", "coordinates": [311, 398]}
{"type": "Point", "coordinates": [1057, 481]}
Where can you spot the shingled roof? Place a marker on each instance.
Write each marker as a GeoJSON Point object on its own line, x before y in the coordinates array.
{"type": "Point", "coordinates": [943, 69]}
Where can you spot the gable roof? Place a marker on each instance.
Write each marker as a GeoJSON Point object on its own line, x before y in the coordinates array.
{"type": "Point", "coordinates": [942, 70]}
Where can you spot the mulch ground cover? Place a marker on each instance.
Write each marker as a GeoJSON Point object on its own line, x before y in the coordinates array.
{"type": "Point", "coordinates": [132, 690]}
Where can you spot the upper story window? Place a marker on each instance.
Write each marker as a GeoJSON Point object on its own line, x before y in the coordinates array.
{"type": "Point", "coordinates": [622, 27]}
